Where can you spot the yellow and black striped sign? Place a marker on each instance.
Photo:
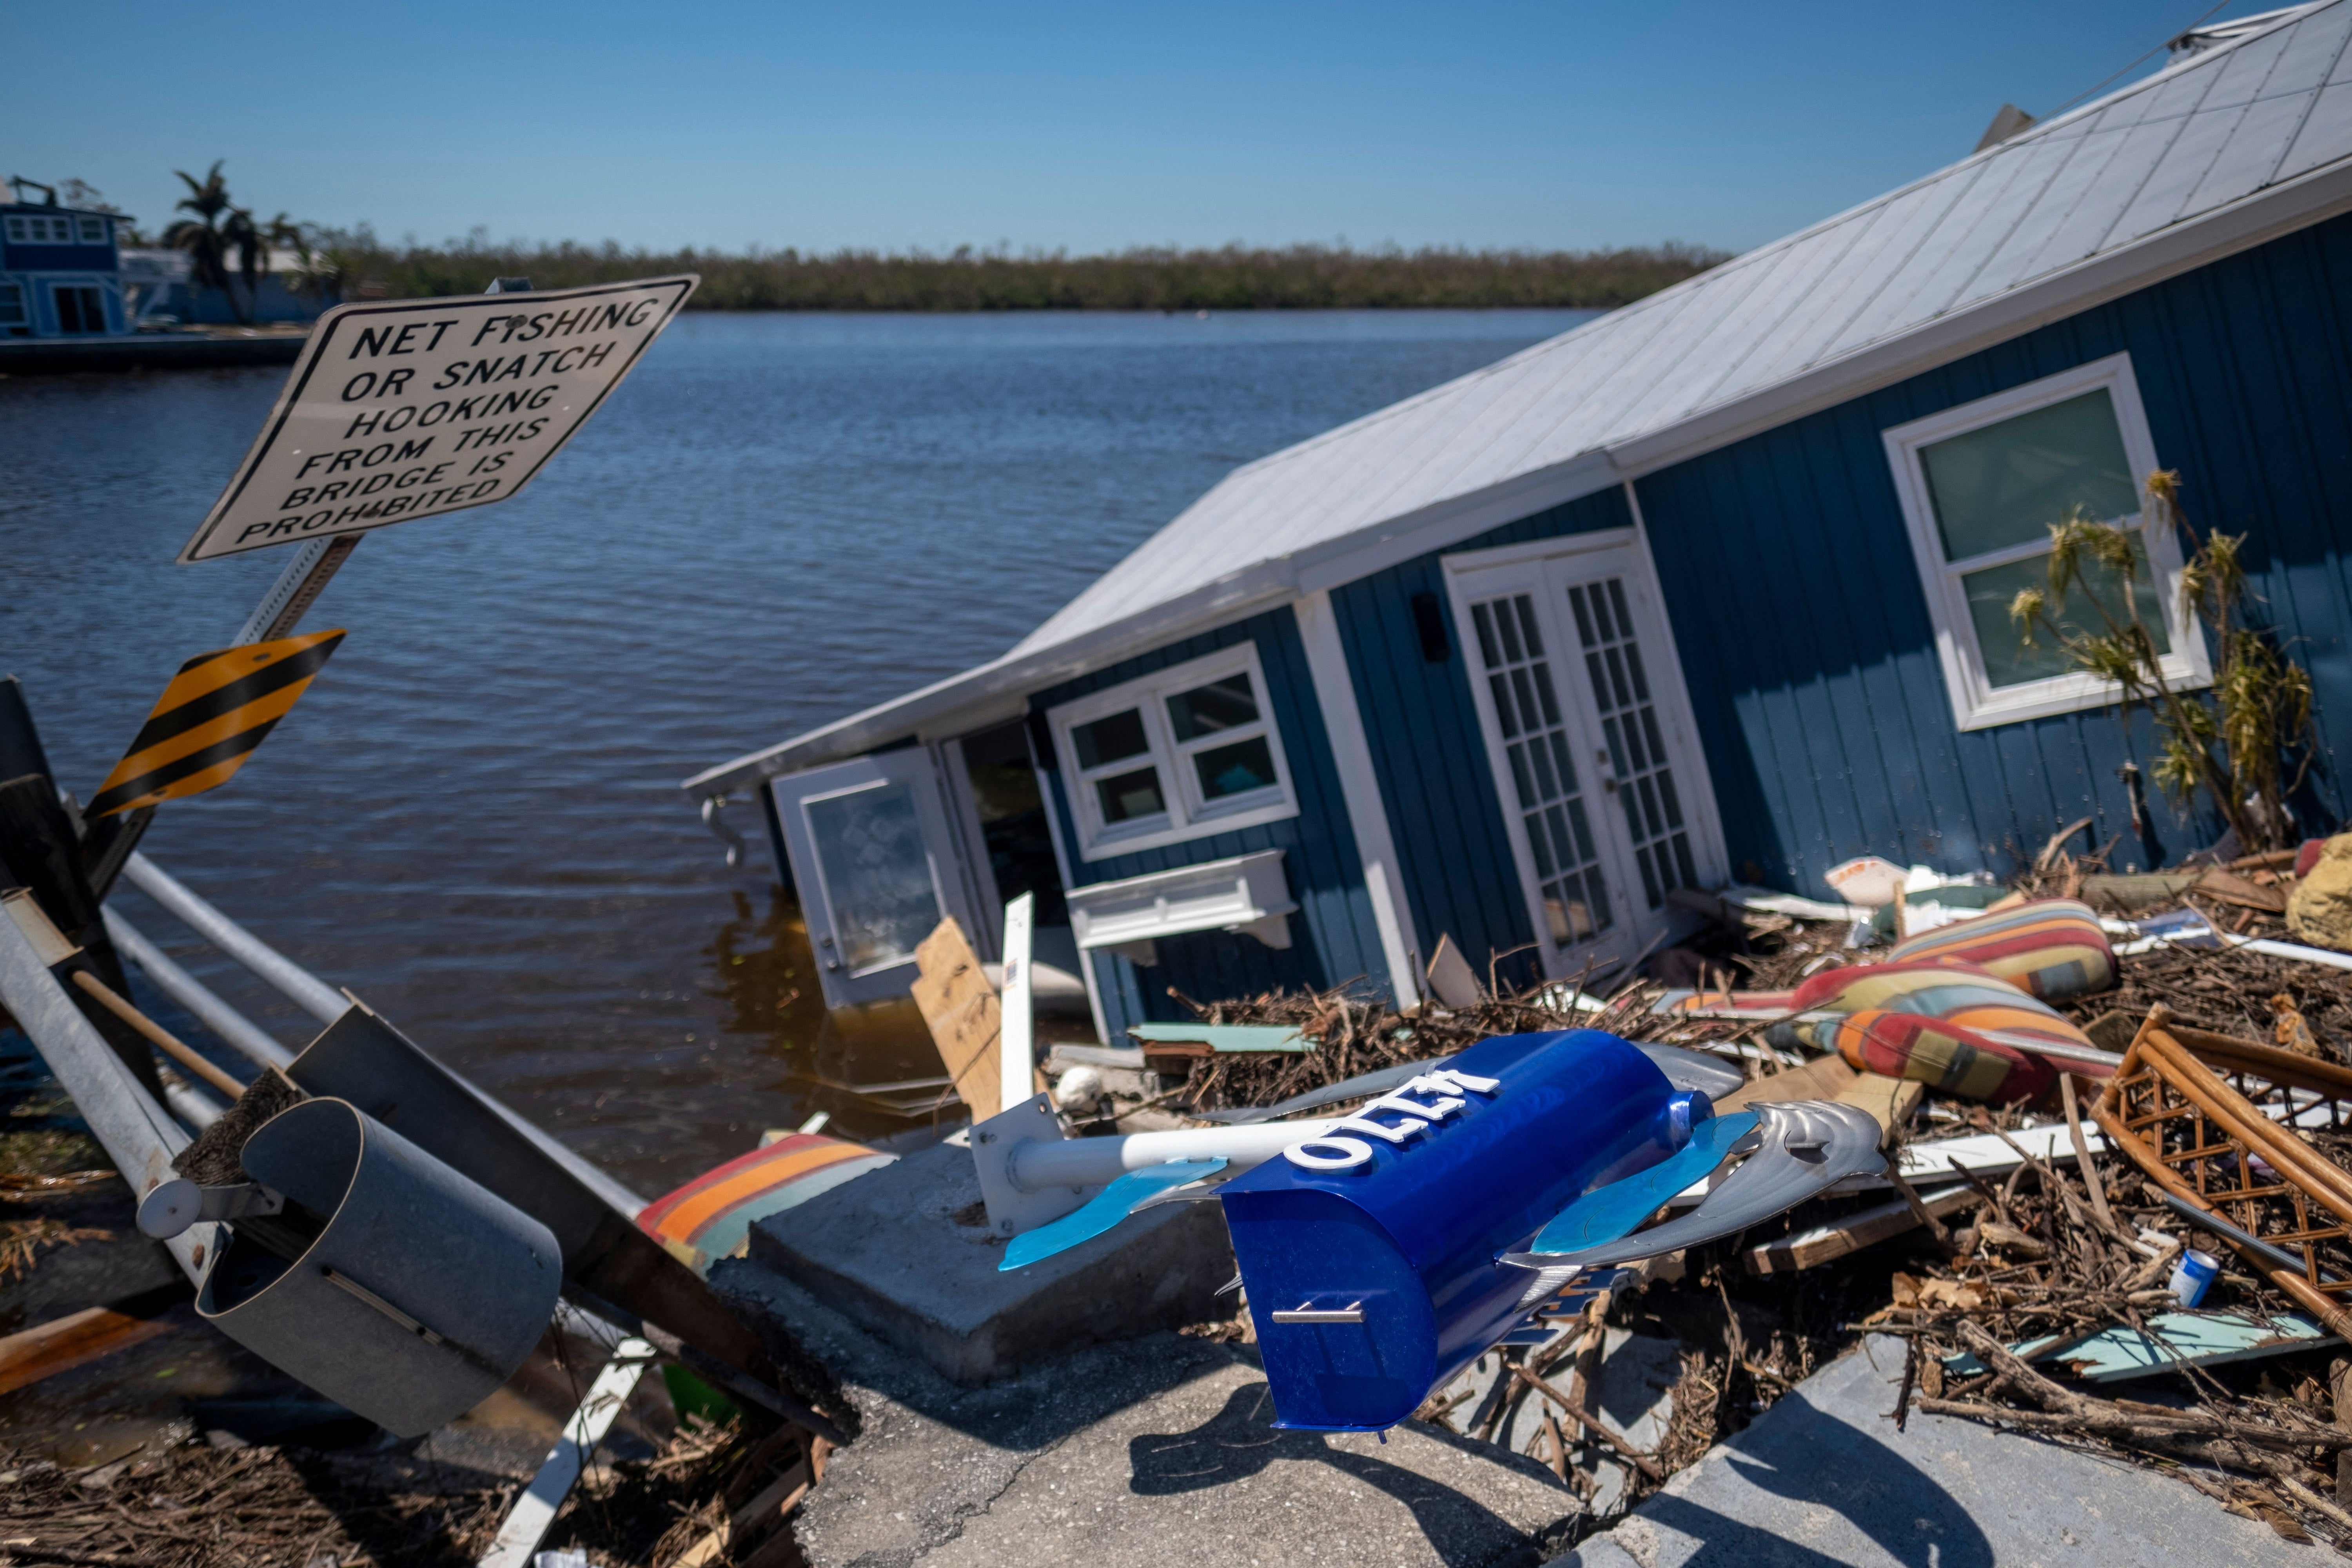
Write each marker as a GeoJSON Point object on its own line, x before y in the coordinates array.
{"type": "Point", "coordinates": [209, 719]}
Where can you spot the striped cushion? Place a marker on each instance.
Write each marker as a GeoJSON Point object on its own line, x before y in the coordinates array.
{"type": "Point", "coordinates": [710, 1216]}
{"type": "Point", "coordinates": [2054, 948]}
{"type": "Point", "coordinates": [1934, 1021]}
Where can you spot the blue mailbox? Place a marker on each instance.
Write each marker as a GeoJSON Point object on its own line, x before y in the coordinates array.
{"type": "Point", "coordinates": [1373, 1254]}
{"type": "Point", "coordinates": [1384, 1250]}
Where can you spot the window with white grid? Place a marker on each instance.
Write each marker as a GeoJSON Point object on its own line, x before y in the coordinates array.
{"type": "Point", "coordinates": [1540, 751]}
{"type": "Point", "coordinates": [1635, 751]}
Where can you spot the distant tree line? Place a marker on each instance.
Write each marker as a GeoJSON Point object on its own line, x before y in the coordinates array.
{"type": "Point", "coordinates": [344, 264]}
{"type": "Point", "coordinates": [1236, 278]}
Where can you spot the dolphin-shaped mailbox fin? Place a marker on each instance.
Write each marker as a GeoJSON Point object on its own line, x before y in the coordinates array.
{"type": "Point", "coordinates": [1384, 1250]}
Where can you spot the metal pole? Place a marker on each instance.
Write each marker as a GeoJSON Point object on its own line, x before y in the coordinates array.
{"type": "Point", "coordinates": [193, 993]}
{"type": "Point", "coordinates": [297, 588]}
{"type": "Point", "coordinates": [138, 1135]}
{"type": "Point", "coordinates": [309, 992]}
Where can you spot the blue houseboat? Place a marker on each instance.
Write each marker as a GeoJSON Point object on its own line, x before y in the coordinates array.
{"type": "Point", "coordinates": [60, 276]}
{"type": "Point", "coordinates": [1710, 589]}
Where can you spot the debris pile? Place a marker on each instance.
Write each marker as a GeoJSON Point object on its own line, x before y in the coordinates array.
{"type": "Point", "coordinates": [713, 1496]}
{"type": "Point", "coordinates": [2027, 1279]}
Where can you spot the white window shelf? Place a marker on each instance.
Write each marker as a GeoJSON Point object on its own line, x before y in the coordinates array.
{"type": "Point", "coordinates": [1246, 894]}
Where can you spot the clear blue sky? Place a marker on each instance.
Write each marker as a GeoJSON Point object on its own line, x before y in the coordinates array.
{"type": "Point", "coordinates": [1087, 126]}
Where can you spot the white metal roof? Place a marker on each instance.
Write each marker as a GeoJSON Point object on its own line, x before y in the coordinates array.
{"type": "Point", "coordinates": [2218, 152]}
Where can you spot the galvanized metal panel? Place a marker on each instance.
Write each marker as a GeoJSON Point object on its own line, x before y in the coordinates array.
{"type": "Point", "coordinates": [2251, 155]}
{"type": "Point", "coordinates": [2021, 180]}
{"type": "Point", "coordinates": [2312, 57]}
{"type": "Point", "coordinates": [2020, 254]}
{"type": "Point", "coordinates": [1891, 234]}
{"type": "Point", "coordinates": [2138, 148]}
{"type": "Point", "coordinates": [2165, 192]}
{"type": "Point", "coordinates": [1887, 298]}
{"type": "Point", "coordinates": [2246, 68]}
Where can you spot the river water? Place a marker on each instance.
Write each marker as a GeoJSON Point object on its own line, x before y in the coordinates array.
{"type": "Point", "coordinates": [472, 819]}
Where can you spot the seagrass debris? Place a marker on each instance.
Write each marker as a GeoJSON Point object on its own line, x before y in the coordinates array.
{"type": "Point", "coordinates": [188, 1505]}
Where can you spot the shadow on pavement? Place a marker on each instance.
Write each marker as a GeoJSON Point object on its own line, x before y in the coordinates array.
{"type": "Point", "coordinates": [1240, 1441]}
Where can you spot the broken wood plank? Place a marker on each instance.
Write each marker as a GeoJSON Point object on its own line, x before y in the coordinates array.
{"type": "Point", "coordinates": [75, 1340]}
{"type": "Point", "coordinates": [1824, 1078]}
{"type": "Point", "coordinates": [960, 1007]}
{"type": "Point", "coordinates": [2171, 1339]}
{"type": "Point", "coordinates": [1891, 1101]}
{"type": "Point", "coordinates": [1450, 979]}
{"type": "Point", "coordinates": [1866, 1227]}
{"type": "Point", "coordinates": [1217, 1039]}
{"type": "Point", "coordinates": [2228, 888]}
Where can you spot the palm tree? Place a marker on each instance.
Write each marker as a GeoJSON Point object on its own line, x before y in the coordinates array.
{"type": "Point", "coordinates": [219, 227]}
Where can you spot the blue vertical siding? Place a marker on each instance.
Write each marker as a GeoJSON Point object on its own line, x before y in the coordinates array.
{"type": "Point", "coordinates": [1333, 936]}
{"type": "Point", "coordinates": [1805, 633]}
{"type": "Point", "coordinates": [1453, 850]}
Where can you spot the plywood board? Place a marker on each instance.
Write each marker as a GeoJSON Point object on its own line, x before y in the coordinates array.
{"type": "Point", "coordinates": [1889, 1100]}
{"type": "Point", "coordinates": [1852, 1233]}
{"type": "Point", "coordinates": [1450, 979]}
{"type": "Point", "coordinates": [1824, 1078]}
{"type": "Point", "coordinates": [69, 1342]}
{"type": "Point", "coordinates": [960, 1007]}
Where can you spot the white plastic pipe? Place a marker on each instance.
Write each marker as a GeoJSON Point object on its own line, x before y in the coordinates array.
{"type": "Point", "coordinates": [312, 994]}
{"type": "Point", "coordinates": [1096, 1162]}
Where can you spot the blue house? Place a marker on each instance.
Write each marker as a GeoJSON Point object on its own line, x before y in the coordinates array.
{"type": "Point", "coordinates": [60, 274]}
{"type": "Point", "coordinates": [1712, 588]}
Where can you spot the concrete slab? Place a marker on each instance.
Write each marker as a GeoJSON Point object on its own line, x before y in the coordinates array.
{"type": "Point", "coordinates": [1823, 1477]}
{"type": "Point", "coordinates": [1153, 1451]}
{"type": "Point", "coordinates": [906, 1251]}
{"type": "Point", "coordinates": [1630, 1393]}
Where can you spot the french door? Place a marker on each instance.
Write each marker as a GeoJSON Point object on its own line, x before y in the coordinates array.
{"type": "Point", "coordinates": [875, 867]}
{"type": "Point", "coordinates": [1589, 731]}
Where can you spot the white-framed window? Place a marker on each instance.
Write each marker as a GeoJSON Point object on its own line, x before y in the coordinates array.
{"type": "Point", "coordinates": [91, 230]}
{"type": "Point", "coordinates": [40, 228]}
{"type": "Point", "coordinates": [1981, 485]}
{"type": "Point", "coordinates": [12, 305]}
{"type": "Point", "coordinates": [1181, 753]}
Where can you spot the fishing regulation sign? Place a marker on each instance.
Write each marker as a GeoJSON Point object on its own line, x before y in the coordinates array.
{"type": "Point", "coordinates": [409, 409]}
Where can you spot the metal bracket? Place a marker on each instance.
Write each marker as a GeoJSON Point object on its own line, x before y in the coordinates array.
{"type": "Point", "coordinates": [1011, 1210]}
{"type": "Point", "coordinates": [178, 1203]}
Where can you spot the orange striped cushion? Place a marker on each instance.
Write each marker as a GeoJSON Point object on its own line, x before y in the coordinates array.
{"type": "Point", "coordinates": [2054, 948]}
{"type": "Point", "coordinates": [1933, 1022]}
{"type": "Point", "coordinates": [712, 1215]}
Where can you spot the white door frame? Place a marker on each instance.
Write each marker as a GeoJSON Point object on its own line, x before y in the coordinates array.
{"type": "Point", "coordinates": [914, 767]}
{"type": "Point", "coordinates": [1620, 552]}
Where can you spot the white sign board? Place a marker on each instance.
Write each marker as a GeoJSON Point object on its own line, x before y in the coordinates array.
{"type": "Point", "coordinates": [410, 408]}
